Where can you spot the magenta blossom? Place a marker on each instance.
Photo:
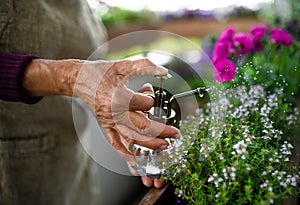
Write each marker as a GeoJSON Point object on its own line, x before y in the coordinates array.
{"type": "Point", "coordinates": [244, 43]}
{"type": "Point", "coordinates": [221, 50]}
{"type": "Point", "coordinates": [227, 35]}
{"type": "Point", "coordinates": [224, 70]}
{"type": "Point", "coordinates": [258, 33]}
{"type": "Point", "coordinates": [280, 37]}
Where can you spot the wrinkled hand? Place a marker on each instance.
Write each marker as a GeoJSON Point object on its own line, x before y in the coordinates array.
{"type": "Point", "coordinates": [102, 85]}
{"type": "Point", "coordinates": [121, 111]}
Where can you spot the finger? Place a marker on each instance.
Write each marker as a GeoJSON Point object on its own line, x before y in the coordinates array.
{"type": "Point", "coordinates": [115, 141]}
{"type": "Point", "coordinates": [147, 89]}
{"type": "Point", "coordinates": [158, 183]}
{"type": "Point", "coordinates": [134, 137]}
{"type": "Point", "coordinates": [155, 143]}
{"type": "Point", "coordinates": [124, 99]}
{"type": "Point", "coordinates": [140, 123]}
{"type": "Point", "coordinates": [141, 102]}
{"type": "Point", "coordinates": [147, 181]}
{"type": "Point", "coordinates": [139, 67]}
{"type": "Point", "coordinates": [146, 67]}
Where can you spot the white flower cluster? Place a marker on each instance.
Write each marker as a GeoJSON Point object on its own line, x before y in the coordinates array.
{"type": "Point", "coordinates": [266, 185]}
{"type": "Point", "coordinates": [284, 180]}
{"type": "Point", "coordinates": [292, 118]}
{"type": "Point", "coordinates": [215, 179]}
{"type": "Point", "coordinates": [249, 101]}
{"type": "Point", "coordinates": [240, 148]}
{"type": "Point", "coordinates": [245, 121]}
{"type": "Point", "coordinates": [246, 133]}
{"type": "Point", "coordinates": [228, 175]}
{"type": "Point", "coordinates": [286, 150]}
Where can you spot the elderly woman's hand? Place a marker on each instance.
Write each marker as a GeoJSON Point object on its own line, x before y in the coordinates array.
{"type": "Point", "coordinates": [102, 85]}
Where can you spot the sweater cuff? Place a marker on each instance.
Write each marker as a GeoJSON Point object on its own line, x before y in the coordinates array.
{"type": "Point", "coordinates": [12, 67]}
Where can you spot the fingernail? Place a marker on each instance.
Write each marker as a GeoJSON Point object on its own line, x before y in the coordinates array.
{"type": "Point", "coordinates": [161, 71]}
{"type": "Point", "coordinates": [147, 85]}
{"type": "Point", "coordinates": [163, 146]}
{"type": "Point", "coordinates": [177, 135]}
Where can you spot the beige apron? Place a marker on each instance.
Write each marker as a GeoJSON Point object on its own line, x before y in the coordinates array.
{"type": "Point", "coordinates": [41, 159]}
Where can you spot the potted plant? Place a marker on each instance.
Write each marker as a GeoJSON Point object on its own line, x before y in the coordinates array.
{"type": "Point", "coordinates": [241, 148]}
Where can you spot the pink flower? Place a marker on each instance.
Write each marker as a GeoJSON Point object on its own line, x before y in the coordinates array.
{"type": "Point", "coordinates": [244, 42]}
{"type": "Point", "coordinates": [280, 37]}
{"type": "Point", "coordinates": [221, 50]}
{"type": "Point", "coordinates": [227, 35]}
{"type": "Point", "coordinates": [258, 33]}
{"type": "Point", "coordinates": [224, 70]}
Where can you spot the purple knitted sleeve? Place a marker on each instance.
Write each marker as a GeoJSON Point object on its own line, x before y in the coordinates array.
{"type": "Point", "coordinates": [12, 67]}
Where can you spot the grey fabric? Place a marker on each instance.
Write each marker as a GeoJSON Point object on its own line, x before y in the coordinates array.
{"type": "Point", "coordinates": [41, 159]}
{"type": "Point", "coordinates": [53, 29]}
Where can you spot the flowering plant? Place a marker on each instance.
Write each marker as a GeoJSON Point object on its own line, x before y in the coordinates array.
{"type": "Point", "coordinates": [262, 56]}
{"type": "Point", "coordinates": [240, 44]}
{"type": "Point", "coordinates": [245, 159]}
{"type": "Point", "coordinates": [238, 149]}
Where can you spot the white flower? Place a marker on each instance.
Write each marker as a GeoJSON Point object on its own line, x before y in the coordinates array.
{"type": "Point", "coordinates": [263, 185]}
{"type": "Point", "coordinates": [270, 188]}
{"type": "Point", "coordinates": [284, 184]}
{"type": "Point", "coordinates": [180, 192]}
{"type": "Point", "coordinates": [210, 179]}
{"type": "Point", "coordinates": [229, 171]}
{"type": "Point", "coordinates": [219, 179]}
{"type": "Point", "coordinates": [232, 175]}
{"type": "Point", "coordinates": [240, 147]}
{"type": "Point", "coordinates": [266, 137]}
{"type": "Point", "coordinates": [213, 177]}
